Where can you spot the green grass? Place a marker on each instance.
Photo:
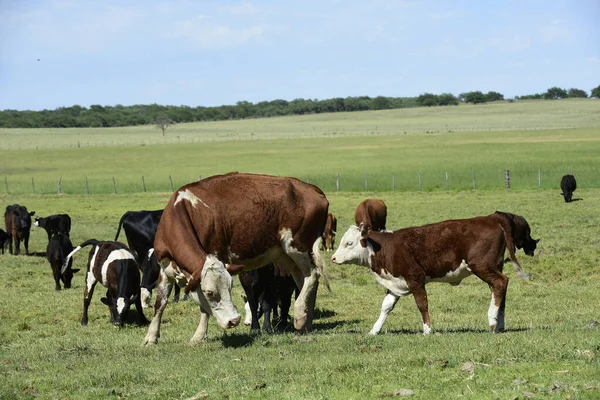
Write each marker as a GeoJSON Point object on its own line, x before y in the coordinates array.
{"type": "Point", "coordinates": [550, 348]}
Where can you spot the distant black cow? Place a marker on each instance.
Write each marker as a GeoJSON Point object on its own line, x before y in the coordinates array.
{"type": "Point", "coordinates": [568, 186]}
{"type": "Point", "coordinates": [140, 230]}
{"type": "Point", "coordinates": [114, 266]}
{"type": "Point", "coordinates": [266, 291]}
{"type": "Point", "coordinates": [58, 223]}
{"type": "Point", "coordinates": [56, 253]}
{"type": "Point", "coordinates": [18, 227]}
{"type": "Point", "coordinates": [520, 232]}
{"type": "Point", "coordinates": [4, 238]}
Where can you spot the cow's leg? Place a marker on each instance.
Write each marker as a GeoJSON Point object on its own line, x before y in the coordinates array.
{"type": "Point", "coordinates": [17, 246]}
{"type": "Point", "coordinates": [305, 275]}
{"type": "Point", "coordinates": [267, 306]}
{"type": "Point", "coordinates": [163, 291]}
{"type": "Point", "coordinates": [176, 294]}
{"type": "Point", "coordinates": [142, 320]}
{"type": "Point", "coordinates": [201, 334]}
{"type": "Point", "coordinates": [88, 291]}
{"type": "Point", "coordinates": [498, 283]}
{"type": "Point", "coordinates": [420, 294]}
{"type": "Point", "coordinates": [26, 244]}
{"type": "Point", "coordinates": [56, 275]}
{"type": "Point", "coordinates": [388, 304]}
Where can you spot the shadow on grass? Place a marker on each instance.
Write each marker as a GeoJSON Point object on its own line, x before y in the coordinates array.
{"type": "Point", "coordinates": [461, 330]}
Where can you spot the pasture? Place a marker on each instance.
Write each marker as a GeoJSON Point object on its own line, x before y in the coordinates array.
{"type": "Point", "coordinates": [550, 349]}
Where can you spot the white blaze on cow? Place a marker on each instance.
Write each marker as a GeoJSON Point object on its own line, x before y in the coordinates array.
{"type": "Point", "coordinates": [405, 260]}
{"type": "Point", "coordinates": [189, 196]}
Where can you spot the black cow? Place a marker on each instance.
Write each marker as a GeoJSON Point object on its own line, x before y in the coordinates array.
{"type": "Point", "coordinates": [58, 223]}
{"type": "Point", "coordinates": [114, 266]}
{"type": "Point", "coordinates": [140, 230]}
{"type": "Point", "coordinates": [568, 186]}
{"type": "Point", "coordinates": [520, 232]}
{"type": "Point", "coordinates": [56, 253]}
{"type": "Point", "coordinates": [4, 238]}
{"type": "Point", "coordinates": [18, 227]}
{"type": "Point", "coordinates": [265, 290]}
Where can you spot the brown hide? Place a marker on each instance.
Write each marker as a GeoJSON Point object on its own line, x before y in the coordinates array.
{"type": "Point", "coordinates": [330, 231]}
{"type": "Point", "coordinates": [519, 230]}
{"type": "Point", "coordinates": [238, 217]}
{"type": "Point", "coordinates": [372, 212]}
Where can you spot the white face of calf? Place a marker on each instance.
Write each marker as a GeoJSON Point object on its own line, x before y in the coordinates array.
{"type": "Point", "coordinates": [216, 289]}
{"type": "Point", "coordinates": [353, 249]}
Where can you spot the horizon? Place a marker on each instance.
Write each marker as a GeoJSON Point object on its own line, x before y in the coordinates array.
{"type": "Point", "coordinates": [61, 53]}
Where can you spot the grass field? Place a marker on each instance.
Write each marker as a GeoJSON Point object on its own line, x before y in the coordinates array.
{"type": "Point", "coordinates": [536, 141]}
{"type": "Point", "coordinates": [551, 347]}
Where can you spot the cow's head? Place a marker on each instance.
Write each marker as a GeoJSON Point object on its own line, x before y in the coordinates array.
{"type": "Point", "coordinates": [121, 306]}
{"type": "Point", "coordinates": [22, 219]}
{"type": "Point", "coordinates": [215, 293]}
{"type": "Point", "coordinates": [529, 245]}
{"type": "Point", "coordinates": [354, 247]}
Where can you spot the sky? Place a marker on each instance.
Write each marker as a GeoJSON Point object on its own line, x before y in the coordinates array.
{"type": "Point", "coordinates": [209, 53]}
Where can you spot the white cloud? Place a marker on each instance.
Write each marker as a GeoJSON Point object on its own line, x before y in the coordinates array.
{"type": "Point", "coordinates": [556, 31]}
{"type": "Point", "coordinates": [205, 33]}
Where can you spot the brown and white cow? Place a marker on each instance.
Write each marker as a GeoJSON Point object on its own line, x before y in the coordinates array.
{"type": "Point", "coordinates": [372, 212]}
{"type": "Point", "coordinates": [329, 234]}
{"type": "Point", "coordinates": [405, 260]}
{"type": "Point", "coordinates": [246, 221]}
{"type": "Point", "coordinates": [114, 266]}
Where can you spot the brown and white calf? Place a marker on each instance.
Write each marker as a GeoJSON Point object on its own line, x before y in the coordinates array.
{"type": "Point", "coordinates": [329, 235]}
{"type": "Point", "coordinates": [245, 221]}
{"type": "Point", "coordinates": [404, 261]}
{"type": "Point", "coordinates": [372, 212]}
{"type": "Point", "coordinates": [114, 266]}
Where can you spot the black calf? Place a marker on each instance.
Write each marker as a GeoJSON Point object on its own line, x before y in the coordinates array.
{"type": "Point", "coordinates": [56, 253]}
{"type": "Point", "coordinates": [568, 186]}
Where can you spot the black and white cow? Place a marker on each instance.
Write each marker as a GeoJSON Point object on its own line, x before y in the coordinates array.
{"type": "Point", "coordinates": [114, 266]}
{"type": "Point", "coordinates": [568, 184]}
{"type": "Point", "coordinates": [54, 224]}
{"type": "Point", "coordinates": [4, 238]}
{"type": "Point", "coordinates": [18, 227]}
{"type": "Point", "coordinates": [56, 253]}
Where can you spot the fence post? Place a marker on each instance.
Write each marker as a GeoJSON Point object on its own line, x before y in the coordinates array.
{"type": "Point", "coordinates": [6, 184]}
{"type": "Point", "coordinates": [114, 185]}
{"type": "Point", "coordinates": [307, 178]}
{"type": "Point", "coordinates": [199, 178]}
{"type": "Point", "coordinates": [87, 186]}
{"type": "Point", "coordinates": [59, 188]}
{"type": "Point", "coordinates": [539, 178]}
{"type": "Point", "coordinates": [446, 181]}
{"type": "Point", "coordinates": [32, 186]}
{"type": "Point", "coordinates": [144, 183]}
{"type": "Point", "coordinates": [366, 184]}
{"type": "Point", "coordinates": [474, 185]}
{"type": "Point", "coordinates": [171, 182]}
{"type": "Point", "coordinates": [393, 182]}
{"type": "Point", "coordinates": [507, 178]}
{"type": "Point", "coordinates": [337, 182]}
{"type": "Point", "coordinates": [420, 182]}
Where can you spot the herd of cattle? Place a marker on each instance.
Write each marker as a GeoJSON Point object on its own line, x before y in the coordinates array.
{"type": "Point", "coordinates": [270, 231]}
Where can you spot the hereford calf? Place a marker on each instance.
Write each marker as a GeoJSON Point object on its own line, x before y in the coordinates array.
{"type": "Point", "coordinates": [372, 212]}
{"type": "Point", "coordinates": [56, 253]}
{"type": "Point", "coordinates": [114, 266]}
{"type": "Point", "coordinates": [405, 260]}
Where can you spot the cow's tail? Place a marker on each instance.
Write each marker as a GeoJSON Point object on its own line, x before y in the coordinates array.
{"type": "Point", "coordinates": [120, 225]}
{"type": "Point", "coordinates": [75, 250]}
{"type": "Point", "coordinates": [318, 260]}
{"type": "Point", "coordinates": [505, 225]}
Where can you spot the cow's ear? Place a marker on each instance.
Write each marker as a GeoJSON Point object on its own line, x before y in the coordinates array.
{"type": "Point", "coordinates": [365, 229]}
{"type": "Point", "coordinates": [75, 270]}
{"type": "Point", "coordinates": [536, 240]}
{"type": "Point", "coordinates": [32, 213]}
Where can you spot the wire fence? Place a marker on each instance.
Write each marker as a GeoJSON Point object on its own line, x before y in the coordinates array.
{"type": "Point", "coordinates": [428, 181]}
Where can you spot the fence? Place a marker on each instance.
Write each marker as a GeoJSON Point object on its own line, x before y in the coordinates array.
{"type": "Point", "coordinates": [349, 182]}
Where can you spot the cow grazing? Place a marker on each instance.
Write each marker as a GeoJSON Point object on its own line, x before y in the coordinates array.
{"type": "Point", "coordinates": [372, 212]}
{"type": "Point", "coordinates": [58, 248]}
{"type": "Point", "coordinates": [267, 290]}
{"type": "Point", "coordinates": [568, 186]}
{"type": "Point", "coordinates": [140, 230]}
{"type": "Point", "coordinates": [246, 221]}
{"type": "Point", "coordinates": [4, 238]}
{"type": "Point", "coordinates": [520, 232]}
{"type": "Point", "coordinates": [405, 260]}
{"type": "Point", "coordinates": [329, 235]}
{"type": "Point", "coordinates": [18, 227]}
{"type": "Point", "coordinates": [58, 223]}
{"type": "Point", "coordinates": [114, 266]}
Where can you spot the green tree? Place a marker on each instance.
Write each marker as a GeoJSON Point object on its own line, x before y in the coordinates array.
{"type": "Point", "coordinates": [380, 103]}
{"type": "Point", "coordinates": [494, 96]}
{"type": "Point", "coordinates": [596, 92]}
{"type": "Point", "coordinates": [162, 123]}
{"type": "Point", "coordinates": [555, 93]}
{"type": "Point", "coordinates": [474, 97]}
{"type": "Point", "coordinates": [427, 100]}
{"type": "Point", "coordinates": [573, 92]}
{"type": "Point", "coordinates": [447, 99]}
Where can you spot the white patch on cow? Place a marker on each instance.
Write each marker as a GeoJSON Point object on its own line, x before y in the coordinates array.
{"type": "Point", "coordinates": [454, 277]}
{"type": "Point", "coordinates": [93, 259]}
{"type": "Point", "coordinates": [150, 252]}
{"type": "Point", "coordinates": [493, 313]}
{"type": "Point", "coordinates": [396, 285]}
{"type": "Point", "coordinates": [350, 251]}
{"type": "Point", "coordinates": [120, 305]}
{"type": "Point", "coordinates": [189, 196]}
{"type": "Point", "coordinates": [248, 319]}
{"type": "Point", "coordinates": [90, 280]}
{"type": "Point", "coordinates": [287, 237]}
{"type": "Point", "coordinates": [36, 223]}
{"type": "Point", "coordinates": [115, 255]}
{"type": "Point", "coordinates": [145, 296]}
{"type": "Point", "coordinates": [389, 301]}
{"type": "Point", "coordinates": [426, 329]}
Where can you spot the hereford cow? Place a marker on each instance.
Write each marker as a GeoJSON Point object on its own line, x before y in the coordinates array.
{"type": "Point", "coordinates": [114, 266]}
{"type": "Point", "coordinates": [520, 232]}
{"type": "Point", "coordinates": [266, 290]}
{"type": "Point", "coordinates": [329, 235]}
{"type": "Point", "coordinates": [140, 230]}
{"type": "Point", "coordinates": [4, 238]}
{"type": "Point", "coordinates": [54, 224]}
{"type": "Point", "coordinates": [58, 248]}
{"type": "Point", "coordinates": [18, 227]}
{"type": "Point", "coordinates": [405, 260]}
{"type": "Point", "coordinates": [246, 221]}
{"type": "Point", "coordinates": [568, 186]}
{"type": "Point", "coordinates": [372, 212]}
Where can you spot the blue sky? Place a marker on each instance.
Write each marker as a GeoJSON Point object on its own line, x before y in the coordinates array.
{"type": "Point", "coordinates": [210, 53]}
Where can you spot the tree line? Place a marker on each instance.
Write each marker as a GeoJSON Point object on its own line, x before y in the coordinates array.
{"type": "Point", "coordinates": [162, 116]}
